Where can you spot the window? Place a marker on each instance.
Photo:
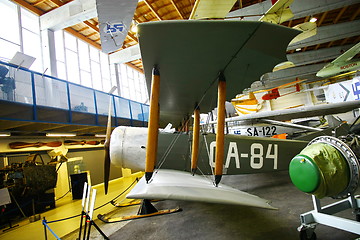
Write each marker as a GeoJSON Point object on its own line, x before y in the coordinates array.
{"type": "Point", "coordinates": [19, 32]}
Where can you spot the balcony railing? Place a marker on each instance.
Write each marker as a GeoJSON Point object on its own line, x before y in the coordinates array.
{"type": "Point", "coordinates": [32, 96]}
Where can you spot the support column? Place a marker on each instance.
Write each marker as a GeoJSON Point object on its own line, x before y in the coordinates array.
{"type": "Point", "coordinates": [195, 140]}
{"type": "Point", "coordinates": [153, 125]}
{"type": "Point", "coordinates": [219, 154]}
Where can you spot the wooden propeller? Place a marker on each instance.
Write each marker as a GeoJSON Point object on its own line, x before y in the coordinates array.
{"type": "Point", "coordinates": [83, 142]}
{"type": "Point", "coordinates": [19, 145]}
{"type": "Point", "coordinates": [107, 146]}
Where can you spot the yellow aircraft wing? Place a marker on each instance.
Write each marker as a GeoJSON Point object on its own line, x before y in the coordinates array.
{"type": "Point", "coordinates": [211, 9]}
{"type": "Point", "coordinates": [279, 12]}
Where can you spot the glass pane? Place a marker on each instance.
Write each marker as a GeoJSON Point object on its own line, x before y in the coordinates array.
{"type": "Point", "coordinates": [94, 54]}
{"type": "Point", "coordinates": [30, 21]}
{"type": "Point", "coordinates": [102, 101]}
{"type": "Point", "coordinates": [86, 78]}
{"type": "Point", "coordinates": [122, 107]}
{"type": "Point", "coordinates": [105, 70]}
{"type": "Point", "coordinates": [96, 75]}
{"type": "Point", "coordinates": [8, 50]}
{"type": "Point", "coordinates": [84, 56]}
{"type": "Point", "coordinates": [70, 42]}
{"type": "Point", "coordinates": [32, 47]}
{"type": "Point", "coordinates": [61, 70]}
{"type": "Point", "coordinates": [146, 112]}
{"type": "Point", "coordinates": [82, 99]}
{"type": "Point", "coordinates": [136, 112]}
{"type": "Point", "coordinates": [17, 86]}
{"type": "Point", "coordinates": [59, 46]}
{"type": "Point", "coordinates": [51, 92]}
{"type": "Point", "coordinates": [9, 27]}
{"type": "Point", "coordinates": [72, 65]}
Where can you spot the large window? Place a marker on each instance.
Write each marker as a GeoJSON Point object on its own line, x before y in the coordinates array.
{"type": "Point", "coordinates": [76, 60]}
{"type": "Point", "coordinates": [19, 32]}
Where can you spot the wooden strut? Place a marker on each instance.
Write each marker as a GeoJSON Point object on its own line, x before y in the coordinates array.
{"type": "Point", "coordinates": [219, 153]}
{"type": "Point", "coordinates": [153, 125]}
{"type": "Point", "coordinates": [195, 140]}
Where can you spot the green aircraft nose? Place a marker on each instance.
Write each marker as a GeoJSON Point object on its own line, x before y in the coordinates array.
{"type": "Point", "coordinates": [304, 173]}
{"type": "Point", "coordinates": [321, 170]}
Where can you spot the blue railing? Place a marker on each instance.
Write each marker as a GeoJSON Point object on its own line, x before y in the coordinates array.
{"type": "Point", "coordinates": [55, 100]}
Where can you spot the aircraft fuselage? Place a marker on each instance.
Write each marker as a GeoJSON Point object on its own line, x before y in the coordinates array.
{"type": "Point", "coordinates": [243, 154]}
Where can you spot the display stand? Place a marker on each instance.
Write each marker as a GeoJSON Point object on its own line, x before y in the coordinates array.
{"type": "Point", "coordinates": [325, 215]}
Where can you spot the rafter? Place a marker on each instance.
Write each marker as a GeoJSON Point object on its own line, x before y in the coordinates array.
{"type": "Point", "coordinates": [57, 2]}
{"type": "Point", "coordinates": [152, 10]}
{"type": "Point", "coordinates": [340, 14]}
{"type": "Point", "coordinates": [92, 26]}
{"type": "Point", "coordinates": [356, 13]}
{"type": "Point", "coordinates": [322, 18]}
{"type": "Point", "coordinates": [134, 67]}
{"type": "Point", "coordinates": [177, 9]}
{"type": "Point", "coordinates": [29, 7]}
{"type": "Point", "coordinates": [39, 2]}
{"type": "Point", "coordinates": [82, 37]}
{"type": "Point", "coordinates": [91, 34]}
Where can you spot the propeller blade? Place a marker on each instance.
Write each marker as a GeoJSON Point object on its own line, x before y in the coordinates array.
{"type": "Point", "coordinates": [107, 146]}
{"type": "Point", "coordinates": [18, 145]}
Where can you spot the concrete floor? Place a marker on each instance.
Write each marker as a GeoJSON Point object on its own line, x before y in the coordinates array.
{"type": "Point", "coordinates": [197, 220]}
{"type": "Point", "coordinates": [215, 221]}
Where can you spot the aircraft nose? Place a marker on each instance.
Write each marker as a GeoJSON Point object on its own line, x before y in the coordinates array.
{"type": "Point", "coordinates": [321, 170]}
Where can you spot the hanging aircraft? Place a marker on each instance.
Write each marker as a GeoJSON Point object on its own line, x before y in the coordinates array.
{"type": "Point", "coordinates": [342, 64]}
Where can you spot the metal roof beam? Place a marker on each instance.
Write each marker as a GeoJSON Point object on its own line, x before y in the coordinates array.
{"type": "Point", "coordinates": [314, 56]}
{"type": "Point", "coordinates": [68, 15]}
{"type": "Point", "coordinates": [300, 9]}
{"type": "Point", "coordinates": [330, 33]}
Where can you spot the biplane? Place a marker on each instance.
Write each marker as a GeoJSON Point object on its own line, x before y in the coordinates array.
{"type": "Point", "coordinates": [196, 76]}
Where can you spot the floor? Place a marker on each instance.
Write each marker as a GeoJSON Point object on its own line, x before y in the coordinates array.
{"type": "Point", "coordinates": [197, 220]}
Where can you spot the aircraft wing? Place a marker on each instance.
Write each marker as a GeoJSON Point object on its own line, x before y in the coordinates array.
{"type": "Point", "coordinates": [211, 9]}
{"type": "Point", "coordinates": [178, 185]}
{"type": "Point", "coordinates": [349, 54]}
{"type": "Point", "coordinates": [190, 55]}
{"type": "Point", "coordinates": [114, 22]}
{"type": "Point", "coordinates": [300, 112]}
{"type": "Point", "coordinates": [278, 13]}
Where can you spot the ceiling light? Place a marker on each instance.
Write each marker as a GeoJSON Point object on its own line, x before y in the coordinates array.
{"type": "Point", "coordinates": [298, 49]}
{"type": "Point", "coordinates": [100, 135]}
{"type": "Point", "coordinates": [4, 134]}
{"type": "Point", "coordinates": [313, 19]}
{"type": "Point", "coordinates": [61, 134]}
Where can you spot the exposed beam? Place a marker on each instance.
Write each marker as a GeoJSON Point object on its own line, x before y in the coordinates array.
{"type": "Point", "coordinates": [29, 7]}
{"type": "Point", "coordinates": [315, 56]}
{"type": "Point", "coordinates": [152, 10]}
{"type": "Point", "coordinates": [82, 37]}
{"type": "Point", "coordinates": [330, 33]}
{"type": "Point", "coordinates": [177, 9]}
{"type": "Point", "coordinates": [135, 67]}
{"type": "Point", "coordinates": [68, 15]}
{"type": "Point", "coordinates": [126, 55]}
{"type": "Point", "coordinates": [39, 2]}
{"type": "Point", "coordinates": [57, 2]}
{"type": "Point", "coordinates": [300, 9]}
{"type": "Point", "coordinates": [92, 26]}
{"type": "Point", "coordinates": [336, 20]}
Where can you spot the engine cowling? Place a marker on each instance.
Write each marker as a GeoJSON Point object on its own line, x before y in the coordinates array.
{"type": "Point", "coordinates": [127, 147]}
{"type": "Point", "coordinates": [327, 167]}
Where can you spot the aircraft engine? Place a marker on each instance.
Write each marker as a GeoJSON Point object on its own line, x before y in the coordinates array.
{"type": "Point", "coordinates": [127, 147]}
{"type": "Point", "coordinates": [327, 167]}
